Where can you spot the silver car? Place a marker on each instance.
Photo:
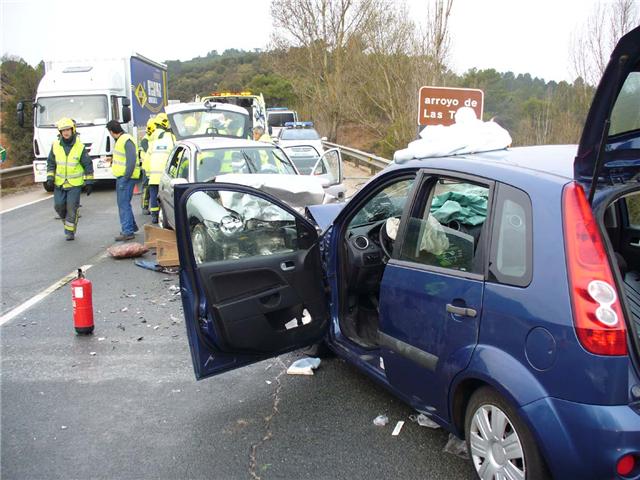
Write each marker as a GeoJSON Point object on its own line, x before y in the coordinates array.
{"type": "Point", "coordinates": [247, 162]}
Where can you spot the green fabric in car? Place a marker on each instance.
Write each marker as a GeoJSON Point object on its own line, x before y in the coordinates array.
{"type": "Point", "coordinates": [467, 207]}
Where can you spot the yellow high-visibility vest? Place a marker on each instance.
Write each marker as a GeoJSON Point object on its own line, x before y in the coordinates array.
{"type": "Point", "coordinates": [69, 170]}
{"type": "Point", "coordinates": [119, 163]}
{"type": "Point", "coordinates": [160, 146]}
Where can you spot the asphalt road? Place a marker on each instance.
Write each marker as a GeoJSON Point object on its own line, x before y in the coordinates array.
{"type": "Point", "coordinates": [123, 403]}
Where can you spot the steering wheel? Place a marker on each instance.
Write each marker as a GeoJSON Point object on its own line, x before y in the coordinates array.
{"type": "Point", "coordinates": [386, 242]}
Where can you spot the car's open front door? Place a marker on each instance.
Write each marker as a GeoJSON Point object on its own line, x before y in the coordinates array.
{"type": "Point", "coordinates": [251, 277]}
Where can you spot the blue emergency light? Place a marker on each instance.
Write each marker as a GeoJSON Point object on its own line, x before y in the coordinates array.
{"type": "Point", "coordinates": [298, 124]}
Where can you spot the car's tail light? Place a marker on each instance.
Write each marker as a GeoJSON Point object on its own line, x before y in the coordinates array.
{"type": "Point", "coordinates": [597, 315]}
{"type": "Point", "coordinates": [626, 465]}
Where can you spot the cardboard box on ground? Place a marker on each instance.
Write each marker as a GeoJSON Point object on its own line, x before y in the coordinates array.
{"type": "Point", "coordinates": [164, 241]}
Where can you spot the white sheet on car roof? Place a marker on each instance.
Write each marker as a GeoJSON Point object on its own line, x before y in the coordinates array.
{"type": "Point", "coordinates": [466, 135]}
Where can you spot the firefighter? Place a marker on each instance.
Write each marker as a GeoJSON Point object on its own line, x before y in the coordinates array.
{"type": "Point", "coordinates": [160, 146]}
{"type": "Point", "coordinates": [143, 152]}
{"type": "Point", "coordinates": [126, 169]}
{"type": "Point", "coordinates": [68, 169]}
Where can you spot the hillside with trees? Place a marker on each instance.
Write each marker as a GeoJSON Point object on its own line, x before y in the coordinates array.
{"type": "Point", "coordinates": [354, 68]}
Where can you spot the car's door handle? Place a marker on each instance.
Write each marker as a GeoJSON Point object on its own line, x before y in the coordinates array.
{"type": "Point", "coordinates": [462, 311]}
{"type": "Point", "coordinates": [286, 266]}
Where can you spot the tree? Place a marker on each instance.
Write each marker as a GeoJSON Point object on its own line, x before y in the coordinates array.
{"type": "Point", "coordinates": [314, 44]}
{"type": "Point", "coordinates": [593, 42]}
{"type": "Point", "coordinates": [19, 81]}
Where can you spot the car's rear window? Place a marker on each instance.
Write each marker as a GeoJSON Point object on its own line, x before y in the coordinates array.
{"type": "Point", "coordinates": [625, 116]}
{"type": "Point", "coordinates": [299, 134]}
{"type": "Point", "coordinates": [279, 119]}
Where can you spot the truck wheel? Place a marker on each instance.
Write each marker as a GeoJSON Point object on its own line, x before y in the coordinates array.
{"type": "Point", "coordinates": [44, 185]}
{"type": "Point", "coordinates": [499, 442]}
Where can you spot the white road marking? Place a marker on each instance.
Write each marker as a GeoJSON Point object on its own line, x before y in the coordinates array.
{"type": "Point", "coordinates": [40, 296]}
{"type": "Point", "coordinates": [26, 204]}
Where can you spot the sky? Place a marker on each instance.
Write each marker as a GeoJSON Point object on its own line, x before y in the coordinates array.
{"type": "Point", "coordinates": [522, 36]}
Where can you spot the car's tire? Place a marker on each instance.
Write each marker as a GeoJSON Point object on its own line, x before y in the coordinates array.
{"type": "Point", "coordinates": [498, 441]}
{"type": "Point", "coordinates": [162, 222]}
{"type": "Point", "coordinates": [202, 248]}
{"type": "Point", "coordinates": [47, 189]}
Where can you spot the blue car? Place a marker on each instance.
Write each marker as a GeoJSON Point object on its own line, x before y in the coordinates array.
{"type": "Point", "coordinates": [497, 292]}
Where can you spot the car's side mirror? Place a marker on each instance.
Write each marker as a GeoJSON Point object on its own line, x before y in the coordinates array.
{"type": "Point", "coordinates": [20, 113]}
{"type": "Point", "coordinates": [126, 110]}
{"type": "Point", "coordinates": [178, 181]}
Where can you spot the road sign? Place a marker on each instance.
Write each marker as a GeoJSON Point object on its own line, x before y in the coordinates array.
{"type": "Point", "coordinates": [438, 105]}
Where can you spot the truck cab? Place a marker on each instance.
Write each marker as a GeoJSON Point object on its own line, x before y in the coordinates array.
{"type": "Point", "coordinates": [93, 92]}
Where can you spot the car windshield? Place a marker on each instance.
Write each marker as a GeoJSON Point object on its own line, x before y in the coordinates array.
{"type": "Point", "coordinates": [84, 109]}
{"type": "Point", "coordinates": [213, 162]}
{"type": "Point", "coordinates": [299, 134]}
{"type": "Point", "coordinates": [209, 123]}
{"type": "Point", "coordinates": [279, 119]}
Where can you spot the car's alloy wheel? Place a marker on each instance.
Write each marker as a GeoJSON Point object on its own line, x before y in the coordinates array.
{"type": "Point", "coordinates": [496, 449]}
{"type": "Point", "coordinates": [500, 443]}
{"type": "Point", "coordinates": [200, 243]}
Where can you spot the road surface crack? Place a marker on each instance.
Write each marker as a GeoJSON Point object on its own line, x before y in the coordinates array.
{"type": "Point", "coordinates": [253, 462]}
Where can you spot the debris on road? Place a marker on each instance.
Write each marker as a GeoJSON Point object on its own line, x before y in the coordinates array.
{"type": "Point", "coordinates": [457, 447]}
{"type": "Point", "coordinates": [381, 420]}
{"type": "Point", "coordinates": [127, 250]}
{"type": "Point", "coordinates": [101, 339]}
{"type": "Point", "coordinates": [396, 430]}
{"type": "Point", "coordinates": [93, 354]}
{"type": "Point", "coordinates": [424, 421]}
{"type": "Point", "coordinates": [304, 366]}
{"type": "Point", "coordinates": [139, 339]}
{"type": "Point", "coordinates": [63, 427]}
{"type": "Point", "coordinates": [125, 309]}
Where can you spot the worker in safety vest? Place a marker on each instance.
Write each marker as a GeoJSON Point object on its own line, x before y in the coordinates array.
{"type": "Point", "coordinates": [160, 146]}
{"type": "Point", "coordinates": [126, 169]}
{"type": "Point", "coordinates": [68, 169]}
{"type": "Point", "coordinates": [260, 135]}
{"type": "Point", "coordinates": [143, 153]}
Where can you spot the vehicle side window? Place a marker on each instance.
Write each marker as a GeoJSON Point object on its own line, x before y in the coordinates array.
{"type": "Point", "coordinates": [115, 111]}
{"type": "Point", "coordinates": [447, 230]}
{"type": "Point", "coordinates": [183, 166]}
{"type": "Point", "coordinates": [633, 207]}
{"type": "Point", "coordinates": [511, 247]}
{"type": "Point", "coordinates": [232, 225]}
{"type": "Point", "coordinates": [172, 164]}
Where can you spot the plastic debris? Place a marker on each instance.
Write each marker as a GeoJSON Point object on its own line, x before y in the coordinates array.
{"type": "Point", "coordinates": [304, 366]}
{"type": "Point", "coordinates": [457, 447]}
{"type": "Point", "coordinates": [101, 339]}
{"type": "Point", "coordinates": [424, 421]}
{"type": "Point", "coordinates": [396, 430]}
{"type": "Point", "coordinates": [139, 339]}
{"type": "Point", "coordinates": [125, 309]}
{"type": "Point", "coordinates": [63, 427]}
{"type": "Point", "coordinates": [174, 288]}
{"type": "Point", "coordinates": [268, 382]}
{"type": "Point", "coordinates": [93, 354]}
{"type": "Point", "coordinates": [381, 420]}
{"type": "Point", "coordinates": [156, 327]}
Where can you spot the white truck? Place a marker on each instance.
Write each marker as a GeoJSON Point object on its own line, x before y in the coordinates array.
{"type": "Point", "coordinates": [92, 92]}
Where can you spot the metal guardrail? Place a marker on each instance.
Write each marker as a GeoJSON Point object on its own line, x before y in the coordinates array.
{"type": "Point", "coordinates": [14, 173]}
{"type": "Point", "coordinates": [359, 157]}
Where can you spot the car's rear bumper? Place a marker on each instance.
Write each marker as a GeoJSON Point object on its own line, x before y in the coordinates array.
{"type": "Point", "coordinates": [584, 441]}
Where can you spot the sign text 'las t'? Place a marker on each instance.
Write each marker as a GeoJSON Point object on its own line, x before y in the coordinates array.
{"type": "Point", "coordinates": [438, 105]}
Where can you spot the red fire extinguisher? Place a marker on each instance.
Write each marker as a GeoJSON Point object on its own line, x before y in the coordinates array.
{"type": "Point", "coordinates": [82, 304]}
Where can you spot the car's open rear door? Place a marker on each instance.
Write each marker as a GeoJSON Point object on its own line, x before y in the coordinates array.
{"type": "Point", "coordinates": [251, 277]}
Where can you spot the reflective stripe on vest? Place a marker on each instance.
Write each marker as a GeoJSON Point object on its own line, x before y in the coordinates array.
{"type": "Point", "coordinates": [69, 170]}
{"type": "Point", "coordinates": [160, 147]}
{"type": "Point", "coordinates": [119, 162]}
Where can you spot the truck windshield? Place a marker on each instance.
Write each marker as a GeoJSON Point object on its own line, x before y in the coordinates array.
{"type": "Point", "coordinates": [84, 109]}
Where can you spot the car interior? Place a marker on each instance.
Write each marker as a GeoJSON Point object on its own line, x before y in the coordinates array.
{"type": "Point", "coordinates": [622, 223]}
{"type": "Point", "coordinates": [443, 230]}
